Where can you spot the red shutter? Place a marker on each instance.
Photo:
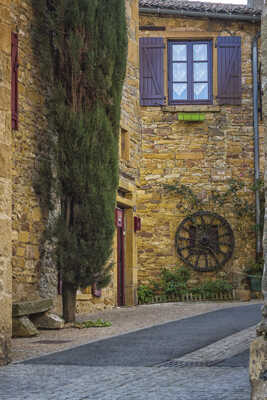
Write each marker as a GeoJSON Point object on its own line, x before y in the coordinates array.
{"type": "Point", "coordinates": [14, 81]}
{"type": "Point", "coordinates": [151, 72]}
{"type": "Point", "coordinates": [229, 70]}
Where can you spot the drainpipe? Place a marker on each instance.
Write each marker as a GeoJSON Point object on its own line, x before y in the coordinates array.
{"type": "Point", "coordinates": [256, 140]}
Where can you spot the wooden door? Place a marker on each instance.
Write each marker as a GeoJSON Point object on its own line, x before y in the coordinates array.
{"type": "Point", "coordinates": [120, 222]}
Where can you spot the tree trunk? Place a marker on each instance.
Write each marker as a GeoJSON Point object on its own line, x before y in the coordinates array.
{"type": "Point", "coordinates": [69, 301]}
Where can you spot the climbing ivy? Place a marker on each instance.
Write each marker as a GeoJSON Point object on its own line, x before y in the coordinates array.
{"type": "Point", "coordinates": [233, 197]}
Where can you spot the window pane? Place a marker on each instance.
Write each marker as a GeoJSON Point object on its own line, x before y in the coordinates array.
{"type": "Point", "coordinates": [200, 52]}
{"type": "Point", "coordinates": [179, 52]}
{"type": "Point", "coordinates": [179, 91]}
{"type": "Point", "coordinates": [200, 71]}
{"type": "Point", "coordinates": [179, 72]}
{"type": "Point", "coordinates": [201, 91]}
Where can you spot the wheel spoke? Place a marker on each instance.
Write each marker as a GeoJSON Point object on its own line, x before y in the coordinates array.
{"type": "Point", "coordinates": [198, 257]}
{"type": "Point", "coordinates": [222, 252]}
{"type": "Point", "coordinates": [202, 220]}
{"type": "Point", "coordinates": [185, 248]}
{"type": "Point", "coordinates": [224, 234]}
{"type": "Point", "coordinates": [186, 229]}
{"type": "Point", "coordinates": [215, 257]}
{"type": "Point", "coordinates": [183, 238]}
{"type": "Point", "coordinates": [206, 261]}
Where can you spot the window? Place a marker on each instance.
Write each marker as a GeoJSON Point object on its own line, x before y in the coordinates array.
{"type": "Point", "coordinates": [124, 145]}
{"type": "Point", "coordinates": [190, 72]}
{"type": "Point", "coordinates": [190, 69]}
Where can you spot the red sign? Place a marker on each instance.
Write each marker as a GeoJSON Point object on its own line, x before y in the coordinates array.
{"type": "Point", "coordinates": [119, 218]}
{"type": "Point", "coordinates": [137, 224]}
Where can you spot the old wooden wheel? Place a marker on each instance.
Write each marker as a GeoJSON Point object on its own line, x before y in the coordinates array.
{"type": "Point", "coordinates": [205, 241]}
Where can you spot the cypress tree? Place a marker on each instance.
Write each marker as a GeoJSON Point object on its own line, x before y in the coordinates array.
{"type": "Point", "coordinates": [83, 49]}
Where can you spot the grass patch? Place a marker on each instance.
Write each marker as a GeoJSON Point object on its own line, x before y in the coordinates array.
{"type": "Point", "coordinates": [99, 323]}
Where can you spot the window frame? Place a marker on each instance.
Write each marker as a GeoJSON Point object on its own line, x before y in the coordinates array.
{"type": "Point", "coordinates": [190, 79]}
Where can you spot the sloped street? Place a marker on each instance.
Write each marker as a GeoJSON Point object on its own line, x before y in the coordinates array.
{"type": "Point", "coordinates": [201, 357]}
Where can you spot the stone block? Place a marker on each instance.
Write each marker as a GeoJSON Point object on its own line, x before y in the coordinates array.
{"type": "Point", "coordinates": [24, 236]}
{"type": "Point", "coordinates": [23, 327]}
{"type": "Point", "coordinates": [243, 295]}
{"type": "Point", "coordinates": [258, 368]}
{"type": "Point", "coordinates": [48, 321]}
{"type": "Point", "coordinates": [31, 307]}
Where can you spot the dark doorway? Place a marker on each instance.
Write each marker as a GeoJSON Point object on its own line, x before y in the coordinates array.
{"type": "Point", "coordinates": [120, 222]}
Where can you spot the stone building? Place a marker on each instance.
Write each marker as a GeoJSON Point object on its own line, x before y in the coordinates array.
{"type": "Point", "coordinates": [196, 111]}
{"type": "Point", "coordinates": [258, 348]}
{"type": "Point", "coordinates": [180, 127]}
{"type": "Point", "coordinates": [24, 274]}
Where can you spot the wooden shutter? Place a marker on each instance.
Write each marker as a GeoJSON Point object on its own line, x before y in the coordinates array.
{"type": "Point", "coordinates": [95, 291]}
{"type": "Point", "coordinates": [151, 72]}
{"type": "Point", "coordinates": [14, 81]}
{"type": "Point", "coordinates": [229, 70]}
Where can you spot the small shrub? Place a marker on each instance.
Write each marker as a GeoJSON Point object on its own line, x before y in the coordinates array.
{"type": "Point", "coordinates": [209, 289]}
{"type": "Point", "coordinates": [255, 268]}
{"type": "Point", "coordinates": [174, 282]}
{"type": "Point", "coordinates": [145, 294]}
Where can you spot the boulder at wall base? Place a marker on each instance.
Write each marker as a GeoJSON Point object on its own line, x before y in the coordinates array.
{"type": "Point", "coordinates": [23, 327]}
{"type": "Point", "coordinates": [47, 321]}
{"type": "Point", "coordinates": [31, 307]}
{"type": "Point", "coordinates": [243, 295]}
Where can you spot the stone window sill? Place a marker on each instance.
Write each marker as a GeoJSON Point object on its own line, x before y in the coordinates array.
{"type": "Point", "coordinates": [191, 108]}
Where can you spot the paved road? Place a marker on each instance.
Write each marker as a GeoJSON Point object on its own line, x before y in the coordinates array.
{"type": "Point", "coordinates": [151, 346]}
{"type": "Point", "coordinates": [145, 364]}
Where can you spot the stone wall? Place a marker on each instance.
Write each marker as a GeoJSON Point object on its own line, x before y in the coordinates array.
{"type": "Point", "coordinates": [129, 168]}
{"type": "Point", "coordinates": [202, 155]}
{"type": "Point", "coordinates": [28, 223]}
{"type": "Point", "coordinates": [258, 348]}
{"type": "Point", "coordinates": [34, 276]}
{"type": "Point", "coordinates": [5, 181]}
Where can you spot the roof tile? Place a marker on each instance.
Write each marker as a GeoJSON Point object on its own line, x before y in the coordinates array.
{"type": "Point", "coordinates": [199, 6]}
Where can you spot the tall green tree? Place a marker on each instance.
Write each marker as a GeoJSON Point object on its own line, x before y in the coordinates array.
{"type": "Point", "coordinates": [82, 45]}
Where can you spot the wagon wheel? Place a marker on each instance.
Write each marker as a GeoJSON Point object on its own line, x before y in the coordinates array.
{"type": "Point", "coordinates": [205, 241]}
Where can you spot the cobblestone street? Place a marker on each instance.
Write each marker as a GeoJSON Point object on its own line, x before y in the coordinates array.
{"type": "Point", "coordinates": [216, 370]}
{"type": "Point", "coordinates": [114, 383]}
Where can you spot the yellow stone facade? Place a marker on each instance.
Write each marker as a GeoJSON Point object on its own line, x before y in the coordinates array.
{"type": "Point", "coordinates": [155, 149]}
{"type": "Point", "coordinates": [201, 155]}
{"type": "Point", "coordinates": [24, 275]}
{"type": "Point", "coordinates": [5, 183]}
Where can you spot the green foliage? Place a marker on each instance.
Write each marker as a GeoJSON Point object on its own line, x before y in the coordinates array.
{"type": "Point", "coordinates": [255, 268]}
{"type": "Point", "coordinates": [99, 323]}
{"type": "Point", "coordinates": [145, 294]}
{"type": "Point", "coordinates": [233, 198]}
{"type": "Point", "coordinates": [81, 47]}
{"type": "Point", "coordinates": [210, 289]}
{"type": "Point", "coordinates": [173, 281]}
{"type": "Point", "coordinates": [185, 191]}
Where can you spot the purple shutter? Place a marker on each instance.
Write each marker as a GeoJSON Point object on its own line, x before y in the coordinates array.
{"type": "Point", "coordinates": [229, 70]}
{"type": "Point", "coordinates": [151, 72]}
{"type": "Point", "coordinates": [95, 291]}
{"type": "Point", "coordinates": [14, 81]}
